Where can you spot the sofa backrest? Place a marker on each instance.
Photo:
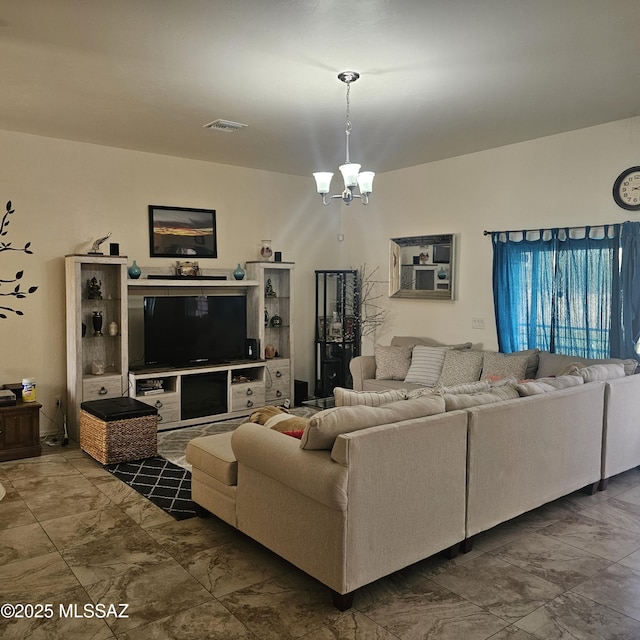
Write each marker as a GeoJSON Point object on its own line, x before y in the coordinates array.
{"type": "Point", "coordinates": [411, 341]}
{"type": "Point", "coordinates": [553, 364]}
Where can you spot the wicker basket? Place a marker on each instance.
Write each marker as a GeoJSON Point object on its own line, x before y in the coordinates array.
{"type": "Point", "coordinates": [118, 440]}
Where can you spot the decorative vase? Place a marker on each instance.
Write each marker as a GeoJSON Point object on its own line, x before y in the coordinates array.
{"type": "Point", "coordinates": [97, 367]}
{"type": "Point", "coordinates": [424, 255]}
{"type": "Point", "coordinates": [266, 317]}
{"type": "Point", "coordinates": [276, 320]}
{"type": "Point", "coordinates": [442, 274]}
{"type": "Point", "coordinates": [238, 274]}
{"type": "Point", "coordinates": [265, 250]}
{"type": "Point", "coordinates": [96, 320]}
{"type": "Point", "coordinates": [134, 271]}
{"type": "Point", "coordinates": [113, 328]}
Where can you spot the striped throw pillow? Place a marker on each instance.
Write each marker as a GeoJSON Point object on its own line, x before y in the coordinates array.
{"type": "Point", "coordinates": [426, 365]}
{"type": "Point", "coordinates": [350, 398]}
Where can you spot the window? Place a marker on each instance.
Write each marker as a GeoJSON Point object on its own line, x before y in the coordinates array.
{"type": "Point", "coordinates": [556, 291]}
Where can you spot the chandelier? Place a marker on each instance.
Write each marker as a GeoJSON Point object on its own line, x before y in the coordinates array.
{"type": "Point", "coordinates": [351, 173]}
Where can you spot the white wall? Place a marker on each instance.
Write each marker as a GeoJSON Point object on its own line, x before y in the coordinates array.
{"type": "Point", "coordinates": [561, 180]}
{"type": "Point", "coordinates": [68, 194]}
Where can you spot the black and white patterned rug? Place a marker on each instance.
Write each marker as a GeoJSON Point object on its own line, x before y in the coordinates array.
{"type": "Point", "coordinates": [167, 485]}
{"type": "Point", "coordinates": [166, 478]}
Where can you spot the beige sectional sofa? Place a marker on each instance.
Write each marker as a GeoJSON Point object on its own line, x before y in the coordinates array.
{"type": "Point", "coordinates": [621, 413]}
{"type": "Point", "coordinates": [371, 489]}
{"type": "Point", "coordinates": [374, 501]}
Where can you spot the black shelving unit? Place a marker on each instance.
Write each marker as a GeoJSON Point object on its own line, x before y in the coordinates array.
{"type": "Point", "coordinates": [337, 328]}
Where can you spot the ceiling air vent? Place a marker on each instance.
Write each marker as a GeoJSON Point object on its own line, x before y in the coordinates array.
{"type": "Point", "coordinates": [225, 125]}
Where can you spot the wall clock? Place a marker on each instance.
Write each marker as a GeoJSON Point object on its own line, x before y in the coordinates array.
{"type": "Point", "coordinates": [626, 189]}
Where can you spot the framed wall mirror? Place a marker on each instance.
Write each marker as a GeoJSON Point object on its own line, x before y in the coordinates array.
{"type": "Point", "coordinates": [422, 267]}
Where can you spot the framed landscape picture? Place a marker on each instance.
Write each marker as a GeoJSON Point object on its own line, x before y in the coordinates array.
{"type": "Point", "coordinates": [179, 231]}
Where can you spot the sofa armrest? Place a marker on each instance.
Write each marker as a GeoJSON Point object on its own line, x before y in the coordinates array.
{"type": "Point", "coordinates": [279, 456]}
{"type": "Point", "coordinates": [362, 368]}
{"type": "Point", "coordinates": [621, 441]}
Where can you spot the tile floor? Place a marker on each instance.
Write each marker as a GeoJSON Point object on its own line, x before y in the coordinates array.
{"type": "Point", "coordinates": [72, 534]}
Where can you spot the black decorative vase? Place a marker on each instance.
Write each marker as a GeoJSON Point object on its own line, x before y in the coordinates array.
{"type": "Point", "coordinates": [97, 323]}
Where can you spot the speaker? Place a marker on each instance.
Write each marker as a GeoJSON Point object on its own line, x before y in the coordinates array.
{"type": "Point", "coordinates": [251, 348]}
{"type": "Point", "coordinates": [300, 392]}
{"type": "Point", "coordinates": [331, 377]}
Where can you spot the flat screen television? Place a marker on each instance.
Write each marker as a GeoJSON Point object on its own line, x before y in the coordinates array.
{"type": "Point", "coordinates": [441, 253]}
{"type": "Point", "coordinates": [193, 330]}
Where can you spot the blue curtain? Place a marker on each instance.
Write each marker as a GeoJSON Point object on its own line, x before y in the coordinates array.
{"type": "Point", "coordinates": [555, 293]}
{"type": "Point", "coordinates": [625, 330]}
{"type": "Point", "coordinates": [522, 279]}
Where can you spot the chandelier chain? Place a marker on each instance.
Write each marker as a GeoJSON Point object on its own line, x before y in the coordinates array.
{"type": "Point", "coordinates": [348, 125]}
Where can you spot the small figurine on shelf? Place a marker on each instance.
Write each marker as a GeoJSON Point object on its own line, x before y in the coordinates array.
{"type": "Point", "coordinates": [93, 289]}
{"type": "Point", "coordinates": [268, 290]}
{"type": "Point", "coordinates": [95, 247]}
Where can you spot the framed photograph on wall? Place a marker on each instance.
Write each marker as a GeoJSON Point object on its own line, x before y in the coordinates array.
{"type": "Point", "coordinates": [179, 231]}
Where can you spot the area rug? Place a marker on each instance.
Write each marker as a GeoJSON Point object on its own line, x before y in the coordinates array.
{"type": "Point", "coordinates": [165, 484]}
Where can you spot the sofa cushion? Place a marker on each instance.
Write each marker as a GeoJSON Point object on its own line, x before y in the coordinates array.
{"type": "Point", "coordinates": [554, 364]}
{"type": "Point", "coordinates": [504, 365]}
{"type": "Point", "coordinates": [599, 372]}
{"type": "Point", "coordinates": [325, 426]}
{"type": "Point", "coordinates": [426, 365]}
{"type": "Point", "coordinates": [460, 367]}
{"type": "Point", "coordinates": [349, 397]}
{"type": "Point", "coordinates": [471, 387]}
{"type": "Point", "coordinates": [544, 385]}
{"type": "Point", "coordinates": [213, 454]}
{"type": "Point", "coordinates": [392, 363]}
{"type": "Point", "coordinates": [454, 401]}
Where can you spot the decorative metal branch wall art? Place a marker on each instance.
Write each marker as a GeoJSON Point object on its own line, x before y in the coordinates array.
{"type": "Point", "coordinates": [17, 292]}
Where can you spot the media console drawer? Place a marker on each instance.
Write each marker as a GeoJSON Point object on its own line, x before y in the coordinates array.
{"type": "Point", "coordinates": [167, 404]}
{"type": "Point", "coordinates": [278, 382]}
{"type": "Point", "coordinates": [101, 387]}
{"type": "Point", "coordinates": [246, 395]}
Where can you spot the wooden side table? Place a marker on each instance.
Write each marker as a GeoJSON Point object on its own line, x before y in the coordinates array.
{"type": "Point", "coordinates": [20, 431]}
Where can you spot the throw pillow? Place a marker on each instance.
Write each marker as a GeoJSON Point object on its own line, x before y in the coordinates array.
{"type": "Point", "coordinates": [294, 434]}
{"type": "Point", "coordinates": [544, 385]}
{"type": "Point", "coordinates": [504, 365]}
{"type": "Point", "coordinates": [278, 419]}
{"type": "Point", "coordinates": [324, 427]}
{"type": "Point", "coordinates": [392, 363]}
{"type": "Point", "coordinates": [424, 391]}
{"type": "Point", "coordinates": [472, 387]}
{"type": "Point", "coordinates": [455, 401]}
{"type": "Point", "coordinates": [460, 367]}
{"type": "Point", "coordinates": [600, 372]}
{"type": "Point", "coordinates": [426, 365]}
{"type": "Point", "coordinates": [349, 397]}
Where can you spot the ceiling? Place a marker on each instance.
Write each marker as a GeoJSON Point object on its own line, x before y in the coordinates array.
{"type": "Point", "coordinates": [439, 78]}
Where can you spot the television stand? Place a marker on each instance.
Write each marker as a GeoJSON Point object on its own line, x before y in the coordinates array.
{"type": "Point", "coordinates": [194, 395]}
